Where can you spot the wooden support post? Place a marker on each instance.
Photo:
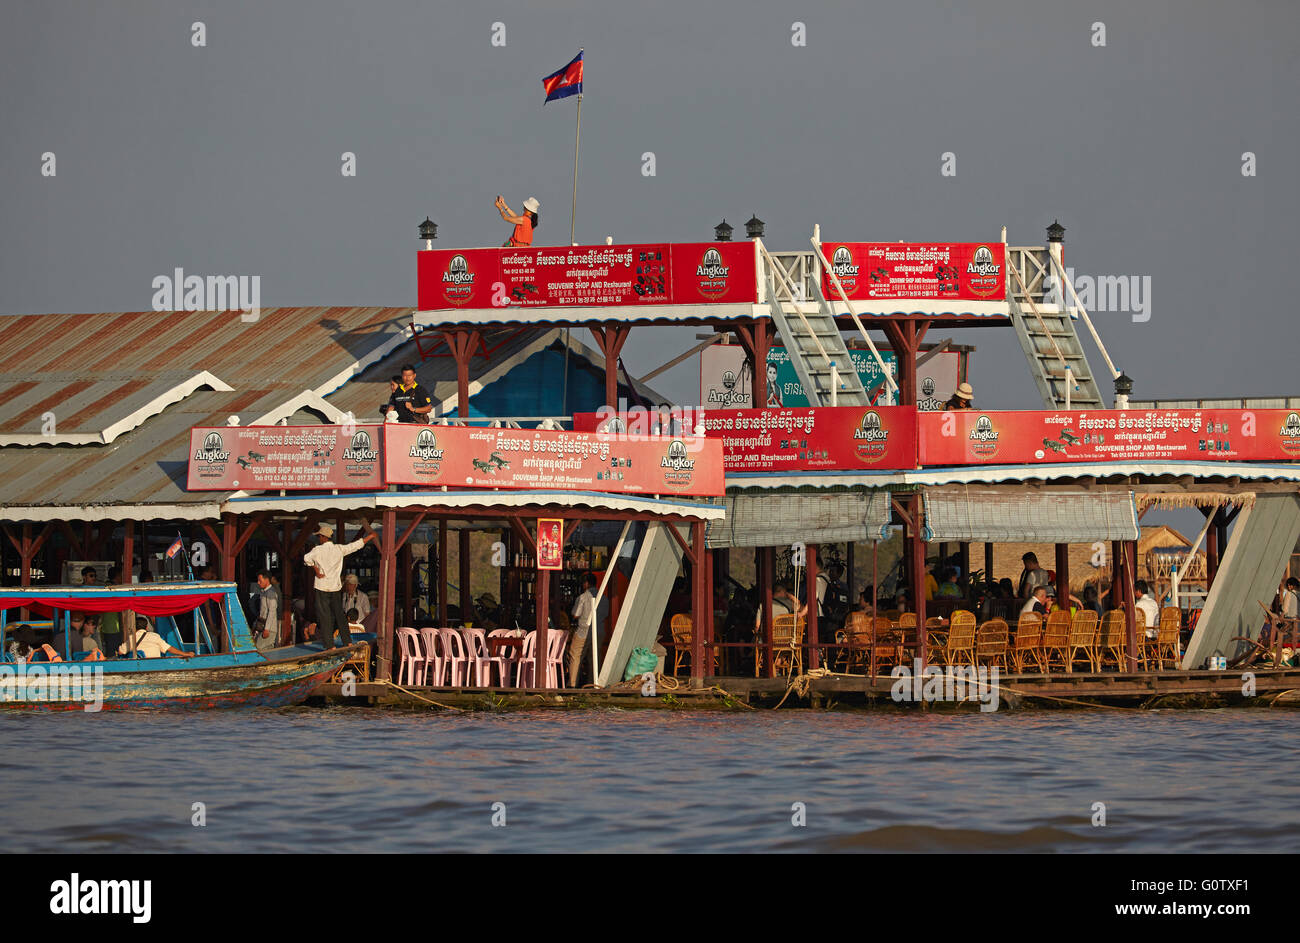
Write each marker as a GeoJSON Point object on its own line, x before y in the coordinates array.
{"type": "Point", "coordinates": [1063, 576]}
{"type": "Point", "coordinates": [387, 597]}
{"type": "Point", "coordinates": [988, 561]}
{"type": "Point", "coordinates": [442, 574]}
{"type": "Point", "coordinates": [712, 589]}
{"type": "Point", "coordinates": [611, 337]}
{"type": "Point", "coordinates": [756, 340]}
{"type": "Point", "coordinates": [918, 563]}
{"type": "Point", "coordinates": [767, 568]}
{"type": "Point", "coordinates": [810, 593]}
{"type": "Point", "coordinates": [850, 574]}
{"type": "Point", "coordinates": [408, 603]}
{"type": "Point", "coordinates": [701, 603]}
{"type": "Point", "coordinates": [543, 636]}
{"type": "Point", "coordinates": [1130, 600]}
{"type": "Point", "coordinates": [1211, 551]}
{"type": "Point", "coordinates": [462, 343]}
{"type": "Point", "coordinates": [905, 337]}
{"type": "Point", "coordinates": [128, 553]}
{"type": "Point", "coordinates": [963, 560]}
{"type": "Point", "coordinates": [228, 536]}
{"type": "Point", "coordinates": [466, 592]}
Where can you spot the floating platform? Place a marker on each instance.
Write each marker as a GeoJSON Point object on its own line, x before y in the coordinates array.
{"type": "Point", "coordinates": [1170, 689]}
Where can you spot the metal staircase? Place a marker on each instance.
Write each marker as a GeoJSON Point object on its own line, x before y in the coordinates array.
{"type": "Point", "coordinates": [1046, 331]}
{"type": "Point", "coordinates": [813, 342]}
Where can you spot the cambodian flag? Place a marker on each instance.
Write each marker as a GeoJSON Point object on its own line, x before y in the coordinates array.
{"type": "Point", "coordinates": [566, 82]}
{"type": "Point", "coordinates": [176, 547]}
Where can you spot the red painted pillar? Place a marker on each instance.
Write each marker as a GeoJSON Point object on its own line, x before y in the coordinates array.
{"type": "Point", "coordinates": [1130, 599]}
{"type": "Point", "coordinates": [442, 574]}
{"type": "Point", "coordinates": [711, 590]}
{"type": "Point", "coordinates": [762, 343]}
{"type": "Point", "coordinates": [918, 569]}
{"type": "Point", "coordinates": [387, 595]}
{"type": "Point", "coordinates": [543, 630]}
{"type": "Point", "coordinates": [466, 592]}
{"type": "Point", "coordinates": [810, 593]}
{"type": "Point", "coordinates": [228, 536]}
{"type": "Point", "coordinates": [767, 561]}
{"type": "Point", "coordinates": [700, 603]}
{"type": "Point", "coordinates": [1211, 552]}
{"type": "Point", "coordinates": [1063, 576]}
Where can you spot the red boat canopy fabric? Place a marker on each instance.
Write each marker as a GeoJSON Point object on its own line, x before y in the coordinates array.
{"type": "Point", "coordinates": [144, 605]}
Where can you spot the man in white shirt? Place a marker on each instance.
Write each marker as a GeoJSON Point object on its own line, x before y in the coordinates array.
{"type": "Point", "coordinates": [585, 619]}
{"type": "Point", "coordinates": [1037, 602]}
{"type": "Point", "coordinates": [326, 558]}
{"type": "Point", "coordinates": [1148, 607]}
{"type": "Point", "coordinates": [149, 642]}
{"type": "Point", "coordinates": [353, 598]}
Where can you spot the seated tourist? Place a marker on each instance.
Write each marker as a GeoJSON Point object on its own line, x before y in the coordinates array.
{"type": "Point", "coordinates": [1037, 602]}
{"type": "Point", "coordinates": [1147, 607]}
{"type": "Point", "coordinates": [948, 587]}
{"type": "Point", "coordinates": [87, 642]}
{"type": "Point", "coordinates": [149, 642]}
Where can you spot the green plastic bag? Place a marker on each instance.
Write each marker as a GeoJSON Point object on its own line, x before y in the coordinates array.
{"type": "Point", "coordinates": [642, 660]}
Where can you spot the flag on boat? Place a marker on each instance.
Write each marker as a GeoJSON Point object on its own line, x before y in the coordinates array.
{"type": "Point", "coordinates": [566, 82]}
{"type": "Point", "coordinates": [176, 547]}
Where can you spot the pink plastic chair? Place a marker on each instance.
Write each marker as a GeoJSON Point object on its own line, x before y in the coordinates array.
{"type": "Point", "coordinates": [455, 656]}
{"type": "Point", "coordinates": [524, 666]}
{"type": "Point", "coordinates": [481, 658]}
{"type": "Point", "coordinates": [508, 658]}
{"type": "Point", "coordinates": [433, 656]}
{"type": "Point", "coordinates": [412, 655]}
{"type": "Point", "coordinates": [556, 642]}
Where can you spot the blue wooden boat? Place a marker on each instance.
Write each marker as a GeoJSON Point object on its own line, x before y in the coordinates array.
{"type": "Point", "coordinates": [187, 615]}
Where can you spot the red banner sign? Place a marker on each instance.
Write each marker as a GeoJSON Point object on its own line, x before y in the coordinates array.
{"type": "Point", "coordinates": [842, 438]}
{"type": "Point", "coordinates": [535, 459]}
{"type": "Point", "coordinates": [266, 458]}
{"type": "Point", "coordinates": [970, 271]}
{"type": "Point", "coordinates": [969, 437]}
{"type": "Point", "coordinates": [681, 273]}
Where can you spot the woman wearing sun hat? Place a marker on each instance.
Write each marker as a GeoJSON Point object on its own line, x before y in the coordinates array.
{"type": "Point", "coordinates": [524, 224]}
{"type": "Point", "coordinates": [963, 398]}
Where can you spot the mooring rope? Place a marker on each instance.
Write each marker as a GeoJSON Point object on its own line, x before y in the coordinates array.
{"type": "Point", "coordinates": [420, 697]}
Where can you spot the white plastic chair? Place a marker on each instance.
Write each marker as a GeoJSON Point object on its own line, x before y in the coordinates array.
{"type": "Point", "coordinates": [481, 658]}
{"type": "Point", "coordinates": [412, 656]}
{"type": "Point", "coordinates": [508, 658]}
{"type": "Point", "coordinates": [433, 656]}
{"type": "Point", "coordinates": [454, 656]}
{"type": "Point", "coordinates": [524, 666]}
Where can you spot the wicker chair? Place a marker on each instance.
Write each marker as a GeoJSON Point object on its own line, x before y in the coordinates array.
{"type": "Point", "coordinates": [1026, 647]}
{"type": "Point", "coordinates": [936, 638]}
{"type": "Point", "coordinates": [1056, 640]}
{"type": "Point", "coordinates": [787, 643]}
{"type": "Point", "coordinates": [906, 624]}
{"type": "Point", "coordinates": [857, 639]}
{"type": "Point", "coordinates": [991, 643]}
{"type": "Point", "coordinates": [1112, 646]}
{"type": "Point", "coordinates": [1083, 638]}
{"type": "Point", "coordinates": [1165, 646]}
{"type": "Point", "coordinates": [959, 649]}
{"type": "Point", "coordinates": [683, 629]}
{"type": "Point", "coordinates": [886, 643]}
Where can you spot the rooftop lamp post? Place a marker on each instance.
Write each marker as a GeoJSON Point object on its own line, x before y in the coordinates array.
{"type": "Point", "coordinates": [1056, 232]}
{"type": "Point", "coordinates": [722, 232]}
{"type": "Point", "coordinates": [428, 232]}
{"type": "Point", "coordinates": [754, 228]}
{"type": "Point", "coordinates": [1123, 387]}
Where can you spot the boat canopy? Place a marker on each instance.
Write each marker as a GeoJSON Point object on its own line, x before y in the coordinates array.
{"type": "Point", "coordinates": [170, 604]}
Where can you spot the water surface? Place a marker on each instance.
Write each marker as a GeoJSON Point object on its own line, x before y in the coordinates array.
{"type": "Point", "coordinates": [356, 779]}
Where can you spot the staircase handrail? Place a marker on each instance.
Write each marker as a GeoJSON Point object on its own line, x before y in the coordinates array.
{"type": "Point", "coordinates": [835, 280]}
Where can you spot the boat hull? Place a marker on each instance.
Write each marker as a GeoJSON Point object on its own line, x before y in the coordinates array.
{"type": "Point", "coordinates": [281, 677]}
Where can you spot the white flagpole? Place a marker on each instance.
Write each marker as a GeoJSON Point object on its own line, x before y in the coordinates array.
{"type": "Point", "coordinates": [577, 136]}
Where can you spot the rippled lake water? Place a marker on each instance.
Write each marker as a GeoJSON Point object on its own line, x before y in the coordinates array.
{"type": "Point", "coordinates": [338, 779]}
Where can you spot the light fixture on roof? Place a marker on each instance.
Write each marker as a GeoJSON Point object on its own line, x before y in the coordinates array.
{"type": "Point", "coordinates": [428, 232]}
{"type": "Point", "coordinates": [754, 228]}
{"type": "Point", "coordinates": [1056, 232]}
{"type": "Point", "coordinates": [722, 232]}
{"type": "Point", "coordinates": [1123, 387]}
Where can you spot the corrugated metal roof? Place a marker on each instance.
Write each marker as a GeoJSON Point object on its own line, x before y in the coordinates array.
{"type": "Point", "coordinates": [95, 370]}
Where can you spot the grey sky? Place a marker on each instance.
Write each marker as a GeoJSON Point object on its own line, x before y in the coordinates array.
{"type": "Point", "coordinates": [226, 159]}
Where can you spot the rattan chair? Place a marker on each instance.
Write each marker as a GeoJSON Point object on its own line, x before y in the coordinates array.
{"type": "Point", "coordinates": [857, 640]}
{"type": "Point", "coordinates": [906, 624]}
{"type": "Point", "coordinates": [1165, 646]}
{"type": "Point", "coordinates": [1055, 645]}
{"type": "Point", "coordinates": [683, 628]}
{"type": "Point", "coordinates": [1113, 643]}
{"type": "Point", "coordinates": [936, 638]}
{"type": "Point", "coordinates": [991, 643]}
{"type": "Point", "coordinates": [886, 646]}
{"type": "Point", "coordinates": [787, 643]}
{"type": "Point", "coordinates": [959, 648]}
{"type": "Point", "coordinates": [1028, 641]}
{"type": "Point", "coordinates": [1083, 638]}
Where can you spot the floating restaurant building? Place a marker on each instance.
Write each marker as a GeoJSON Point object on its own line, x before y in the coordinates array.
{"type": "Point", "coordinates": [105, 450]}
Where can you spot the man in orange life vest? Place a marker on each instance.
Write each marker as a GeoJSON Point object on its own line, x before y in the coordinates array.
{"type": "Point", "coordinates": [524, 225]}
